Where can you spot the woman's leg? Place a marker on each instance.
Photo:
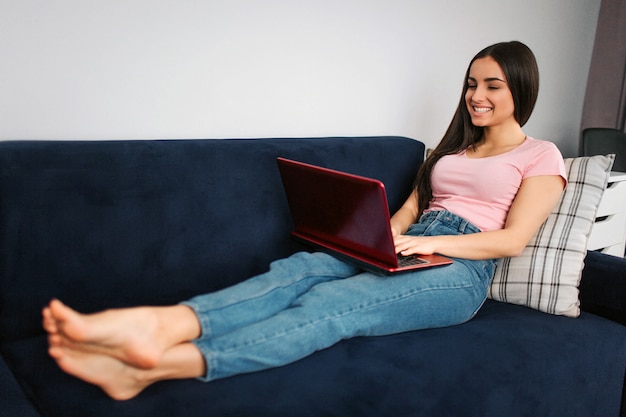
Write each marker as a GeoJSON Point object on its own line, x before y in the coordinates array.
{"type": "Point", "coordinates": [363, 305]}
{"type": "Point", "coordinates": [265, 295]}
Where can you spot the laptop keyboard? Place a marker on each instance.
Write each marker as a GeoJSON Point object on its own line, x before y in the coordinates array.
{"type": "Point", "coordinates": [410, 260]}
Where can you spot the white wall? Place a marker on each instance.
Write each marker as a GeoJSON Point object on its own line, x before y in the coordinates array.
{"type": "Point", "coordinates": [114, 69]}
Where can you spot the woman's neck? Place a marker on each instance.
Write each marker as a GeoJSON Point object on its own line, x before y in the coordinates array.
{"type": "Point", "coordinates": [507, 135]}
{"type": "Point", "coordinates": [496, 141]}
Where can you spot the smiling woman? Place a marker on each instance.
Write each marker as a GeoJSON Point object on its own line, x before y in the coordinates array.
{"type": "Point", "coordinates": [310, 301]}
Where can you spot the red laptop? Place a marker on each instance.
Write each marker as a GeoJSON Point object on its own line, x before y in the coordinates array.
{"type": "Point", "coordinates": [347, 216]}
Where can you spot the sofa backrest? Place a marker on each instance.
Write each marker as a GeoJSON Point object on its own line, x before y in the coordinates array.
{"type": "Point", "coordinates": [102, 224]}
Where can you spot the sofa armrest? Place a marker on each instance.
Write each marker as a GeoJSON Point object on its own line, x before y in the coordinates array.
{"type": "Point", "coordinates": [13, 400]}
{"type": "Point", "coordinates": [603, 286]}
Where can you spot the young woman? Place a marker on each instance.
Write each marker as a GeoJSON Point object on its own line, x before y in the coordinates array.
{"type": "Point", "coordinates": [481, 195]}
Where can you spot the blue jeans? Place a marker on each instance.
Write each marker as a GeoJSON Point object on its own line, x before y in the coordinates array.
{"type": "Point", "coordinates": [311, 301]}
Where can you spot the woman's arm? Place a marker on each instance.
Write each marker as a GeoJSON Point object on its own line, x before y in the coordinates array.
{"type": "Point", "coordinates": [532, 205]}
{"type": "Point", "coordinates": [405, 217]}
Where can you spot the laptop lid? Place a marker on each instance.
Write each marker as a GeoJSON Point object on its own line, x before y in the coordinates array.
{"type": "Point", "coordinates": [346, 215]}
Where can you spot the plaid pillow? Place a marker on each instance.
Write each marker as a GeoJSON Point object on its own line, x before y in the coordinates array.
{"type": "Point", "coordinates": [547, 273]}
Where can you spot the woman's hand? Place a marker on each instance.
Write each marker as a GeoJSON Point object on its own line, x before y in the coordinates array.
{"type": "Point", "coordinates": [400, 222]}
{"type": "Point", "coordinates": [415, 245]}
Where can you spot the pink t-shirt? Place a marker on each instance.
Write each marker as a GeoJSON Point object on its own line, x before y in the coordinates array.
{"type": "Point", "coordinates": [481, 190]}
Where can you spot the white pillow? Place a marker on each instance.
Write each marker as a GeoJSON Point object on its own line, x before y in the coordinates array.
{"type": "Point", "coordinates": [547, 273]}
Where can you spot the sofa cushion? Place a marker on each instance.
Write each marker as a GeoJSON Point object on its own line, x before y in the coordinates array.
{"type": "Point", "coordinates": [547, 273]}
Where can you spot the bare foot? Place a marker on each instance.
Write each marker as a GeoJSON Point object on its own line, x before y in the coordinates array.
{"type": "Point", "coordinates": [121, 381]}
{"type": "Point", "coordinates": [136, 336]}
{"type": "Point", "coordinates": [117, 379]}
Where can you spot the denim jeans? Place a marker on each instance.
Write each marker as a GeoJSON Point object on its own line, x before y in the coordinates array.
{"type": "Point", "coordinates": [310, 301]}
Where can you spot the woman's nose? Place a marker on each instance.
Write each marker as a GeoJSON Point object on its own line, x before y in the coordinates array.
{"type": "Point", "coordinates": [477, 94]}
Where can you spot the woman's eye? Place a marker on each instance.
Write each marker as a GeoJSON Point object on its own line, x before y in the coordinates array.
{"type": "Point", "coordinates": [471, 86]}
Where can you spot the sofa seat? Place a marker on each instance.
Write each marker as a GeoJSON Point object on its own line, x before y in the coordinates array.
{"type": "Point", "coordinates": [508, 361]}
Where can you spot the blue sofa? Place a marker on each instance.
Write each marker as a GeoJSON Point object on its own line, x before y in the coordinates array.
{"type": "Point", "coordinates": [103, 224]}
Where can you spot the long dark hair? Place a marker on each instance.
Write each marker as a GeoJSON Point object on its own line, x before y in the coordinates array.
{"type": "Point", "coordinates": [522, 75]}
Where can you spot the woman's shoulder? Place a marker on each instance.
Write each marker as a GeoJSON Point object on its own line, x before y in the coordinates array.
{"type": "Point", "coordinates": [539, 144]}
{"type": "Point", "coordinates": [534, 147]}
{"type": "Point", "coordinates": [542, 157]}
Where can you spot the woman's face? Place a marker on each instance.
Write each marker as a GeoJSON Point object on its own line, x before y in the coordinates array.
{"type": "Point", "coordinates": [488, 98]}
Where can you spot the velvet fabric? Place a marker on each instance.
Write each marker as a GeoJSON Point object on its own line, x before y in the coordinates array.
{"type": "Point", "coordinates": [603, 291]}
{"type": "Point", "coordinates": [112, 224]}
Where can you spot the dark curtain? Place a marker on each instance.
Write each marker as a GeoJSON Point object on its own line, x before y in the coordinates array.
{"type": "Point", "coordinates": [605, 99]}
